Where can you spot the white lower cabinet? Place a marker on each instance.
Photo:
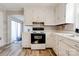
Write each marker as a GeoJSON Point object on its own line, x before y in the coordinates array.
{"type": "Point", "coordinates": [63, 46]}
{"type": "Point", "coordinates": [26, 40]}
{"type": "Point", "coordinates": [73, 52]}
{"type": "Point", "coordinates": [63, 49]}
{"type": "Point", "coordinates": [55, 44]}
{"type": "Point", "coordinates": [49, 39]}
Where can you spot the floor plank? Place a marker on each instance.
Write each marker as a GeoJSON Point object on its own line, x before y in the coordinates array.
{"type": "Point", "coordinates": [15, 49]}
{"type": "Point", "coordinates": [22, 53]}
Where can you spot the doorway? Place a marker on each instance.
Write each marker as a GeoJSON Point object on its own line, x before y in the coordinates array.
{"type": "Point", "coordinates": [16, 31]}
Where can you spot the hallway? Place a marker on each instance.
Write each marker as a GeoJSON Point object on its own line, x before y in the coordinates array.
{"type": "Point", "coordinates": [15, 49]}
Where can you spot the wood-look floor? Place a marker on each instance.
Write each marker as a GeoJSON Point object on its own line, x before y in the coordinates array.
{"type": "Point", "coordinates": [15, 49]}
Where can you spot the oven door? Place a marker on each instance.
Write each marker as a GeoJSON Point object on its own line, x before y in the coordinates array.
{"type": "Point", "coordinates": [37, 38]}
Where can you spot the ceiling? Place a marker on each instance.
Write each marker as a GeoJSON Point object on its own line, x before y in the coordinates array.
{"type": "Point", "coordinates": [19, 6]}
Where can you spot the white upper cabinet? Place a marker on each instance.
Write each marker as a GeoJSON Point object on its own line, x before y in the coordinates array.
{"type": "Point", "coordinates": [39, 14]}
{"type": "Point", "coordinates": [64, 13]}
{"type": "Point", "coordinates": [50, 15]}
{"type": "Point", "coordinates": [34, 14]}
{"type": "Point", "coordinates": [27, 16]}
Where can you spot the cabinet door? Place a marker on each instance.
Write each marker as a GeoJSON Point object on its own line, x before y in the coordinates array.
{"type": "Point", "coordinates": [49, 39]}
{"type": "Point", "coordinates": [49, 21]}
{"type": "Point", "coordinates": [73, 52]}
{"type": "Point", "coordinates": [53, 41]}
{"type": "Point", "coordinates": [27, 16]}
{"type": "Point", "coordinates": [26, 40]}
{"type": "Point", "coordinates": [63, 49]}
{"type": "Point", "coordinates": [57, 43]}
{"type": "Point", "coordinates": [49, 17]}
{"type": "Point", "coordinates": [70, 13]}
{"type": "Point", "coordinates": [60, 14]}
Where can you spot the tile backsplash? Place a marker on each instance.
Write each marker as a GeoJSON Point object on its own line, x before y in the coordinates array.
{"type": "Point", "coordinates": [65, 27]}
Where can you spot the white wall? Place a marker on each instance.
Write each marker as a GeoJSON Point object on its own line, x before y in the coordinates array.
{"type": "Point", "coordinates": [3, 28]}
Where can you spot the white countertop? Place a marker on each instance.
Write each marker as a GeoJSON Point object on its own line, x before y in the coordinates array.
{"type": "Point", "coordinates": [65, 34]}
{"type": "Point", "coordinates": [71, 36]}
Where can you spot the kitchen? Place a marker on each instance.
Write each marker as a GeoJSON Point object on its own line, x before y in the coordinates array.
{"type": "Point", "coordinates": [48, 26]}
{"type": "Point", "coordinates": [42, 17]}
